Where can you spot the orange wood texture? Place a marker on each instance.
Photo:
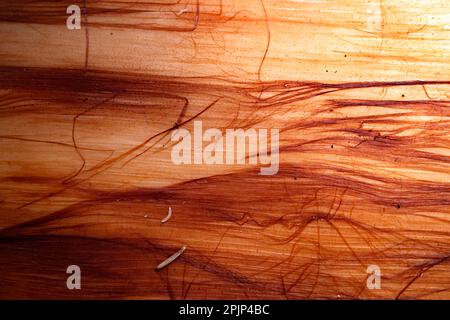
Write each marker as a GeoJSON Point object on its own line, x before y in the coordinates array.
{"type": "Point", "coordinates": [359, 91]}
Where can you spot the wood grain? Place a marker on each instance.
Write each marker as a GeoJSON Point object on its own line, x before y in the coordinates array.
{"type": "Point", "coordinates": [359, 91]}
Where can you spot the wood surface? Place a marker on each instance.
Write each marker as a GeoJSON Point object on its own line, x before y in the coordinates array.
{"type": "Point", "coordinates": [359, 91]}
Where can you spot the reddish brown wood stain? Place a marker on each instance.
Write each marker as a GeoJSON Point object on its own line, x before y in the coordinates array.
{"type": "Point", "coordinates": [86, 176]}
